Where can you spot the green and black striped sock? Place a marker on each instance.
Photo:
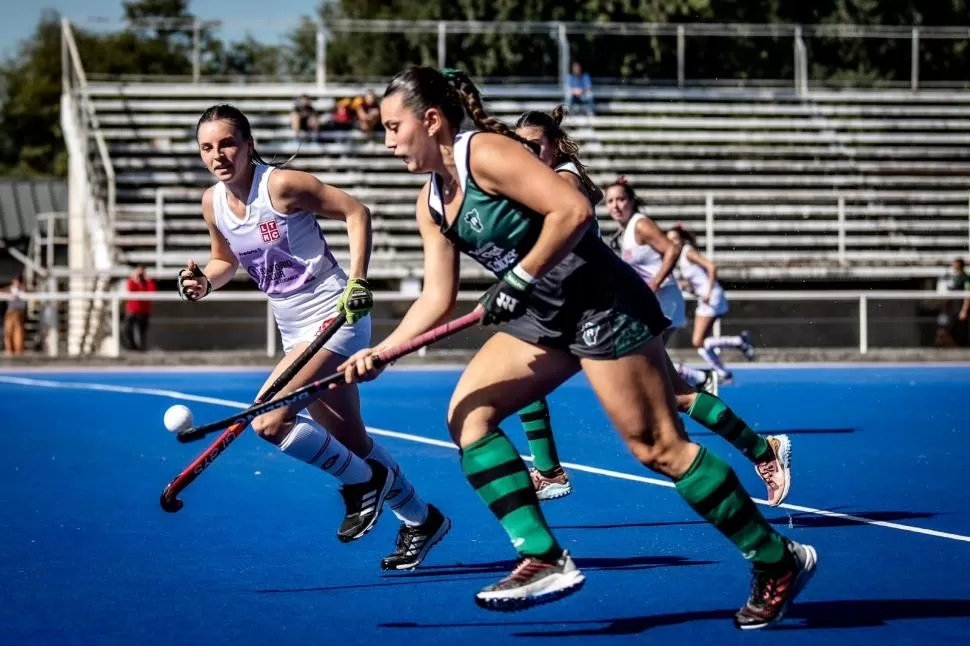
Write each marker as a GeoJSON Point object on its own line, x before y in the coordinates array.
{"type": "Point", "coordinates": [712, 489]}
{"type": "Point", "coordinates": [499, 477]}
{"type": "Point", "coordinates": [712, 413]}
{"type": "Point", "coordinates": [538, 430]}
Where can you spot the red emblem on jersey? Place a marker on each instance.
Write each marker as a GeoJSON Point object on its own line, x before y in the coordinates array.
{"type": "Point", "coordinates": [268, 231]}
{"type": "Point", "coordinates": [326, 324]}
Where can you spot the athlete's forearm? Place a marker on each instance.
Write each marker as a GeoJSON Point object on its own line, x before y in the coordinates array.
{"type": "Point", "coordinates": [359, 233]}
{"type": "Point", "coordinates": [424, 314]}
{"type": "Point", "coordinates": [559, 235]}
{"type": "Point", "coordinates": [670, 261]}
{"type": "Point", "coordinates": [219, 272]}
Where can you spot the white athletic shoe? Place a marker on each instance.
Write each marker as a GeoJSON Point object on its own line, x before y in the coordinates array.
{"type": "Point", "coordinates": [776, 472]}
{"type": "Point", "coordinates": [533, 582]}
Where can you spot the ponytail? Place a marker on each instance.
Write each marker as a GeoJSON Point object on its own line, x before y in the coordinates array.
{"type": "Point", "coordinates": [471, 99]}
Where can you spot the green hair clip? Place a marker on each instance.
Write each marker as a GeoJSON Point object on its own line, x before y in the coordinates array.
{"type": "Point", "coordinates": [450, 73]}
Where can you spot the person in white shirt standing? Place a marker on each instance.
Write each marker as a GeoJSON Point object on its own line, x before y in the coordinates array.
{"type": "Point", "coordinates": [700, 277]}
{"type": "Point", "coordinates": [264, 218]}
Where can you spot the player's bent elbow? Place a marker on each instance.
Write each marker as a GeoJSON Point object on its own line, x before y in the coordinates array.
{"type": "Point", "coordinates": [362, 213]}
{"type": "Point", "coordinates": [580, 215]}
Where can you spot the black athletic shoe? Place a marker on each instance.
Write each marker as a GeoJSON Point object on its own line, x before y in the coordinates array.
{"type": "Point", "coordinates": [364, 502]}
{"type": "Point", "coordinates": [414, 543]}
{"type": "Point", "coordinates": [774, 588]}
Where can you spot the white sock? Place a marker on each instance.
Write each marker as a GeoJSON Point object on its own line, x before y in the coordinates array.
{"type": "Point", "coordinates": [714, 342]}
{"type": "Point", "coordinates": [694, 376]}
{"type": "Point", "coordinates": [404, 500]}
{"type": "Point", "coordinates": [713, 360]}
{"type": "Point", "coordinates": [311, 443]}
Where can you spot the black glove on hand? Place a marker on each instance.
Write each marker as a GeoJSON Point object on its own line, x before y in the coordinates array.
{"type": "Point", "coordinates": [506, 299]}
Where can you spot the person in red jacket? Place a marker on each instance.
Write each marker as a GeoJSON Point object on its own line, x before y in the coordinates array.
{"type": "Point", "coordinates": [137, 312]}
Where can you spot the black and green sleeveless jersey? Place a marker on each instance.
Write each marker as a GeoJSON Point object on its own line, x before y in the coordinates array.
{"type": "Point", "coordinates": [591, 303]}
{"type": "Point", "coordinates": [494, 230]}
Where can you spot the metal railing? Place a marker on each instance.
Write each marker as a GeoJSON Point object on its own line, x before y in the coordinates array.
{"type": "Point", "coordinates": [101, 173]}
{"type": "Point", "coordinates": [91, 186]}
{"type": "Point", "coordinates": [867, 314]}
{"type": "Point", "coordinates": [559, 34]}
{"type": "Point", "coordinates": [829, 226]}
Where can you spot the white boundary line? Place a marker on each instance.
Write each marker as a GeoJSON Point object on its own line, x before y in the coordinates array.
{"type": "Point", "coordinates": [619, 475]}
{"type": "Point", "coordinates": [457, 367]}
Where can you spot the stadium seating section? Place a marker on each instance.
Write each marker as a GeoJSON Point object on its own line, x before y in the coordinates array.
{"type": "Point", "coordinates": [775, 166]}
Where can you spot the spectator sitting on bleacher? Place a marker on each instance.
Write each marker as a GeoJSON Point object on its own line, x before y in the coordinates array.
{"type": "Point", "coordinates": [304, 119]}
{"type": "Point", "coordinates": [368, 111]}
{"type": "Point", "coordinates": [343, 115]}
{"type": "Point", "coordinates": [579, 90]}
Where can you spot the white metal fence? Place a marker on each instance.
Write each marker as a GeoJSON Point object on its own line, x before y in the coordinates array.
{"type": "Point", "coordinates": [560, 35]}
{"type": "Point", "coordinates": [861, 302]}
{"type": "Point", "coordinates": [866, 236]}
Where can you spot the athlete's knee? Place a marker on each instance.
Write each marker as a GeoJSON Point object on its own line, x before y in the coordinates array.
{"type": "Point", "coordinates": [468, 422]}
{"type": "Point", "coordinates": [664, 455]}
{"type": "Point", "coordinates": [656, 443]}
{"type": "Point", "coordinates": [273, 426]}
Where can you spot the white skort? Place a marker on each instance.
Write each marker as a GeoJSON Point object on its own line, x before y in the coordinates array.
{"type": "Point", "coordinates": [672, 303]}
{"type": "Point", "coordinates": [300, 316]}
{"type": "Point", "coordinates": [718, 306]}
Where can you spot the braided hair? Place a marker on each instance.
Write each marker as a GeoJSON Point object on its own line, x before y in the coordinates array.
{"type": "Point", "coordinates": [452, 92]}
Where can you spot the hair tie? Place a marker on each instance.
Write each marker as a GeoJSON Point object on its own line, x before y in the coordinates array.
{"type": "Point", "coordinates": [450, 73]}
{"type": "Point", "coordinates": [621, 181]}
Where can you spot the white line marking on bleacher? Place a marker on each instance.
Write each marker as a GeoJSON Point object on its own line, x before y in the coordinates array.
{"type": "Point", "coordinates": [619, 475]}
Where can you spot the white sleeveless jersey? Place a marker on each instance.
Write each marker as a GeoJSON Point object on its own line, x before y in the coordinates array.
{"type": "Point", "coordinates": [646, 260]}
{"type": "Point", "coordinates": [285, 255]}
{"type": "Point", "coordinates": [694, 274]}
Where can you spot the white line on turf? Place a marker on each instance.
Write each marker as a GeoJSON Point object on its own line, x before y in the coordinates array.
{"type": "Point", "coordinates": [619, 475]}
{"type": "Point", "coordinates": [458, 367]}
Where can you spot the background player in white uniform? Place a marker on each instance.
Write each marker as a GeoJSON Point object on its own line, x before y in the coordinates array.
{"type": "Point", "coordinates": [643, 244]}
{"type": "Point", "coordinates": [700, 277]}
{"type": "Point", "coordinates": [265, 219]}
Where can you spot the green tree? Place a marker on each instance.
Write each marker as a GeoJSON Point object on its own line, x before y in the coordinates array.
{"type": "Point", "coordinates": [30, 137]}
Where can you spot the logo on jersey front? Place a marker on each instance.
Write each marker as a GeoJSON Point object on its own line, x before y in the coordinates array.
{"type": "Point", "coordinates": [494, 257]}
{"type": "Point", "coordinates": [269, 231]}
{"type": "Point", "coordinates": [474, 221]}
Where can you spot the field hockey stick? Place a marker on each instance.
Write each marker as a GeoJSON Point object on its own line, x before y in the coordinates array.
{"type": "Point", "coordinates": [169, 500]}
{"type": "Point", "coordinates": [309, 390]}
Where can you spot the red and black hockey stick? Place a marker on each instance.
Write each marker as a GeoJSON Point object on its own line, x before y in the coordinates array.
{"type": "Point", "coordinates": [169, 501]}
